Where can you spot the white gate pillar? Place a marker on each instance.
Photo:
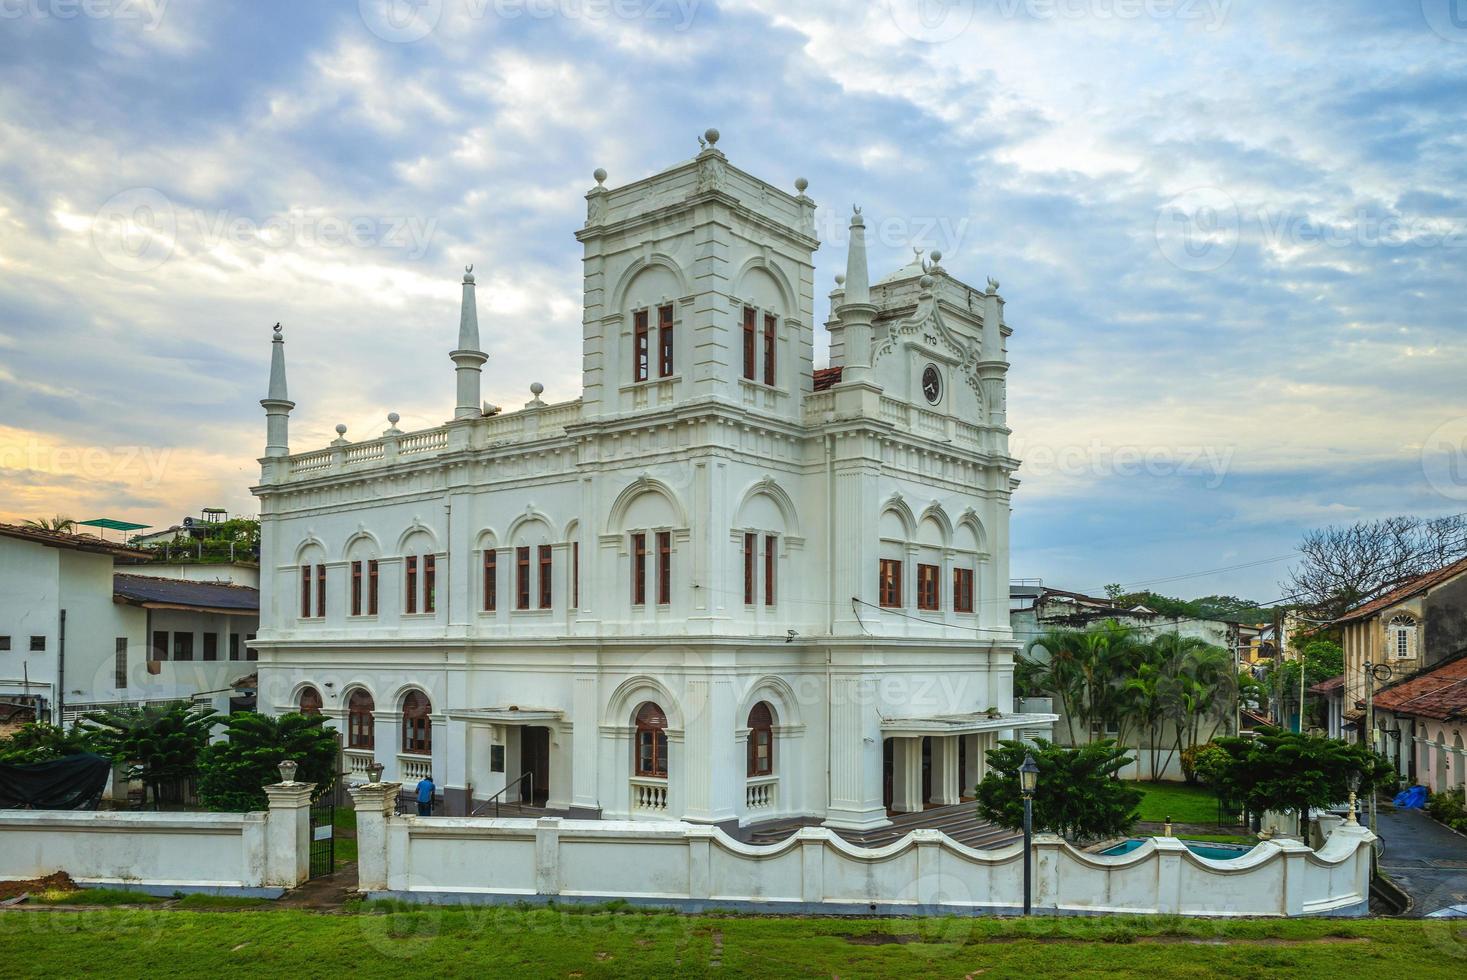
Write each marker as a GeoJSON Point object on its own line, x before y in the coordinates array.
{"type": "Point", "coordinates": [288, 834]}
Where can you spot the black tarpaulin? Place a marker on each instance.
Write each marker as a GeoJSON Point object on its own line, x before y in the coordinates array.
{"type": "Point", "coordinates": [73, 783]}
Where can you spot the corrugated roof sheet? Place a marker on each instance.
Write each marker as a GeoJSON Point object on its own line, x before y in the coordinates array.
{"type": "Point", "coordinates": [1438, 693]}
{"type": "Point", "coordinates": [1405, 591]}
{"type": "Point", "coordinates": [1329, 686]}
{"type": "Point", "coordinates": [147, 590]}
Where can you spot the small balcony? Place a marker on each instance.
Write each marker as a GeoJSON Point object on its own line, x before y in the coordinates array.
{"type": "Point", "coordinates": [356, 762]}
{"type": "Point", "coordinates": [412, 767]}
{"type": "Point", "coordinates": [649, 794]}
{"type": "Point", "coordinates": [761, 794]}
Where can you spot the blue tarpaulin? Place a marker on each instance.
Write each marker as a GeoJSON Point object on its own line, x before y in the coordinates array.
{"type": "Point", "coordinates": [1411, 799]}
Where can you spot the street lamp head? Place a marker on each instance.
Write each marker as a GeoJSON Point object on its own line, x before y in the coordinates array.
{"type": "Point", "coordinates": [1028, 775]}
{"type": "Point", "coordinates": [1355, 781]}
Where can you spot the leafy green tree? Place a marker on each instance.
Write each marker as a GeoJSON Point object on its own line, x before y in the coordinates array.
{"type": "Point", "coordinates": [39, 742]}
{"type": "Point", "coordinates": [234, 773]}
{"type": "Point", "coordinates": [1078, 793]}
{"type": "Point", "coordinates": [1283, 770]}
{"type": "Point", "coordinates": [160, 744]}
{"type": "Point", "coordinates": [1323, 659]}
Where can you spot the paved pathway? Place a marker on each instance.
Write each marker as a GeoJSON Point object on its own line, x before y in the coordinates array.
{"type": "Point", "coordinates": [323, 894]}
{"type": "Point", "coordinates": [1426, 859]}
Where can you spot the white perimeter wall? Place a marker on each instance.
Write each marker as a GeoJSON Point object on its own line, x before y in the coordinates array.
{"type": "Point", "coordinates": [259, 854]}
{"type": "Point", "coordinates": [695, 867]}
{"type": "Point", "coordinates": [158, 852]}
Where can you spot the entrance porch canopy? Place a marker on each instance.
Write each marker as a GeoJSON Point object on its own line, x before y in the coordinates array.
{"type": "Point", "coordinates": [963, 724]}
{"type": "Point", "coordinates": [512, 715]}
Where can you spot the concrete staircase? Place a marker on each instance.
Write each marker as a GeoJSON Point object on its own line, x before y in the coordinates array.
{"type": "Point", "coordinates": [960, 822]}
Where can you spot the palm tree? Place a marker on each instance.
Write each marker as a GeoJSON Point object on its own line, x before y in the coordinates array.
{"type": "Point", "coordinates": [1059, 673]}
{"type": "Point", "coordinates": [1084, 670]}
{"type": "Point", "coordinates": [65, 525]}
{"type": "Point", "coordinates": [1203, 685]}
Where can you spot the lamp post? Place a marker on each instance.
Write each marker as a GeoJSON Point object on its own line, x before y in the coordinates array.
{"type": "Point", "coordinates": [1028, 779]}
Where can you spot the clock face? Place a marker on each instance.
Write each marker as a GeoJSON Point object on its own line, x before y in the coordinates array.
{"type": "Point", "coordinates": [932, 383]}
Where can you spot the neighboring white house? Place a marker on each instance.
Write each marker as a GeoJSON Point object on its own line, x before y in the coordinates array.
{"type": "Point", "coordinates": [719, 585]}
{"type": "Point", "coordinates": [82, 621]}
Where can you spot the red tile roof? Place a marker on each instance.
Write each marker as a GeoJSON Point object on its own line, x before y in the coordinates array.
{"type": "Point", "coordinates": [1405, 591]}
{"type": "Point", "coordinates": [827, 378]}
{"type": "Point", "coordinates": [1438, 693]}
{"type": "Point", "coordinates": [1329, 686]}
{"type": "Point", "coordinates": [75, 542]}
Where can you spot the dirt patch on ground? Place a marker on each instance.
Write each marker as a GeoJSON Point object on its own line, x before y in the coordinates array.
{"type": "Point", "coordinates": [58, 882]}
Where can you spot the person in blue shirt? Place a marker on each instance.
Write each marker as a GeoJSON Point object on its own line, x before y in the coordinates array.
{"type": "Point", "coordinates": [425, 796]}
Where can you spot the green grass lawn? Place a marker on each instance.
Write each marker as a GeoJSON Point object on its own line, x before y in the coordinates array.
{"type": "Point", "coordinates": [550, 942]}
{"type": "Point", "coordinates": [1183, 803]}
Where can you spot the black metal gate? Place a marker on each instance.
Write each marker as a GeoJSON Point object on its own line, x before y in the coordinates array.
{"type": "Point", "coordinates": [323, 838]}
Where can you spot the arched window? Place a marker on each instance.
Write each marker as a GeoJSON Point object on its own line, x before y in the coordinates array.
{"type": "Point", "coordinates": [310, 701]}
{"type": "Point", "coordinates": [417, 729]}
{"type": "Point", "coordinates": [360, 729]}
{"type": "Point", "coordinates": [651, 740]}
{"type": "Point", "coordinates": [761, 740]}
{"type": "Point", "coordinates": [1401, 636]}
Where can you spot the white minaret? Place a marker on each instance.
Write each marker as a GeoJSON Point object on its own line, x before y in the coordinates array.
{"type": "Point", "coordinates": [468, 359]}
{"type": "Point", "coordinates": [993, 365]}
{"type": "Point", "coordinates": [856, 311]}
{"type": "Point", "coordinates": [277, 403]}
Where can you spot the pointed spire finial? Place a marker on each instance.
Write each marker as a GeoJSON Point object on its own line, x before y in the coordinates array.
{"type": "Point", "coordinates": [467, 358]}
{"type": "Point", "coordinates": [858, 279]}
{"type": "Point", "coordinates": [277, 390]}
{"type": "Point", "coordinates": [277, 403]}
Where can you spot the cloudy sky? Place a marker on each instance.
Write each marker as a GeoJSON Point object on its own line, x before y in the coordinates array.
{"type": "Point", "coordinates": [1232, 233]}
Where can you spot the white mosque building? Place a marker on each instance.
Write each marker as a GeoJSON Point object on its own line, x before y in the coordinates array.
{"type": "Point", "coordinates": [720, 586]}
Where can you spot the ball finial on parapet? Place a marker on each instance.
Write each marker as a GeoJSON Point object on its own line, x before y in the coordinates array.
{"type": "Point", "coordinates": [393, 418]}
{"type": "Point", "coordinates": [711, 135]}
{"type": "Point", "coordinates": [600, 175]}
{"type": "Point", "coordinates": [800, 184]}
{"type": "Point", "coordinates": [840, 279]}
{"type": "Point", "coordinates": [536, 389]}
{"type": "Point", "coordinates": [340, 429]}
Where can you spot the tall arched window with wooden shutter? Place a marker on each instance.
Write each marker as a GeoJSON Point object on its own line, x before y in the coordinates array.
{"type": "Point", "coordinates": [360, 724]}
{"type": "Point", "coordinates": [761, 740]}
{"type": "Point", "coordinates": [417, 728]}
{"type": "Point", "coordinates": [651, 740]}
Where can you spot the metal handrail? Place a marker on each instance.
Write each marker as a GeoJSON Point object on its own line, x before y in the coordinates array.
{"type": "Point", "coordinates": [528, 774]}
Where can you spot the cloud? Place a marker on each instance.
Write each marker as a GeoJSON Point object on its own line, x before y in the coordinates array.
{"type": "Point", "coordinates": [313, 173]}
